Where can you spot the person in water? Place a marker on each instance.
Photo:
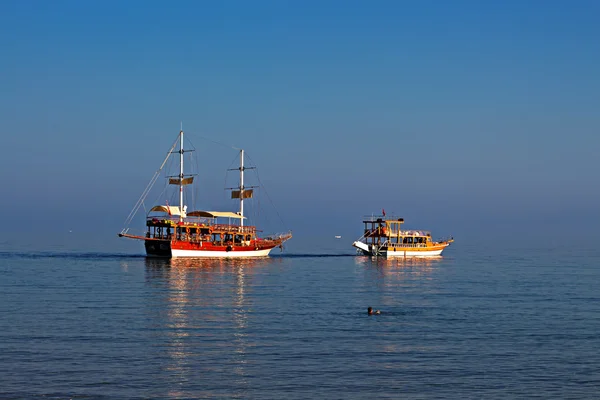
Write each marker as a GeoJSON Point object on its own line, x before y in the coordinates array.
{"type": "Point", "coordinates": [371, 312]}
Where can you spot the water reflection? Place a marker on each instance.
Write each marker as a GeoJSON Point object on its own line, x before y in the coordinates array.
{"type": "Point", "coordinates": [207, 263]}
{"type": "Point", "coordinates": [400, 266]}
{"type": "Point", "coordinates": [204, 312]}
{"type": "Point", "coordinates": [386, 278]}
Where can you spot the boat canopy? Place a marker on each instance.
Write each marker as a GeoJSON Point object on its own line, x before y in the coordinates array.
{"type": "Point", "coordinates": [172, 210]}
{"type": "Point", "coordinates": [214, 214]}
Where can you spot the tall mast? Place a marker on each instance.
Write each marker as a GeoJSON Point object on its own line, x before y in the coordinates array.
{"type": "Point", "coordinates": [181, 175]}
{"type": "Point", "coordinates": [242, 187]}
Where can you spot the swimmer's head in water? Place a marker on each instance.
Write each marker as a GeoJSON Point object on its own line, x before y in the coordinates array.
{"type": "Point", "coordinates": [370, 310]}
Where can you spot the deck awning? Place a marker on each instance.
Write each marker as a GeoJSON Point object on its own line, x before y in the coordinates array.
{"type": "Point", "coordinates": [214, 214]}
{"type": "Point", "coordinates": [171, 210]}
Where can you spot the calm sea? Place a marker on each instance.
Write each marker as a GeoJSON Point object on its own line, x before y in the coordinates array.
{"type": "Point", "coordinates": [481, 322]}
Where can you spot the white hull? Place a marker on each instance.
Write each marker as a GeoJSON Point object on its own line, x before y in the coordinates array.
{"type": "Point", "coordinates": [220, 254]}
{"type": "Point", "coordinates": [366, 249]}
{"type": "Point", "coordinates": [399, 253]}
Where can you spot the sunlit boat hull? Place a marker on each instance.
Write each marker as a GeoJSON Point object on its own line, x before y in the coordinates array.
{"type": "Point", "coordinates": [220, 254]}
{"type": "Point", "coordinates": [435, 251]}
{"type": "Point", "coordinates": [174, 232]}
{"type": "Point", "coordinates": [175, 249]}
{"type": "Point", "coordinates": [432, 251]}
{"type": "Point", "coordinates": [383, 238]}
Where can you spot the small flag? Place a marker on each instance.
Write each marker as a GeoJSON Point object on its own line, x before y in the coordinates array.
{"type": "Point", "coordinates": [383, 212]}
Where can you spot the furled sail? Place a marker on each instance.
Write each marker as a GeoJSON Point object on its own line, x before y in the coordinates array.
{"type": "Point", "coordinates": [179, 181]}
{"type": "Point", "coordinates": [247, 194]}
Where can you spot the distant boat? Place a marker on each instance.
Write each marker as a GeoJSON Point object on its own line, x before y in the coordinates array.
{"type": "Point", "coordinates": [172, 231]}
{"type": "Point", "coordinates": [338, 237]}
{"type": "Point", "coordinates": [383, 237]}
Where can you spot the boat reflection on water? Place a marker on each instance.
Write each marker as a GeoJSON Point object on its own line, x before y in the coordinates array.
{"type": "Point", "coordinates": [408, 265]}
{"type": "Point", "coordinates": [399, 284]}
{"type": "Point", "coordinates": [201, 309]}
{"type": "Point", "coordinates": [208, 263]}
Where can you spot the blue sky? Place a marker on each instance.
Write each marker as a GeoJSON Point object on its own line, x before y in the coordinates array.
{"type": "Point", "coordinates": [462, 116]}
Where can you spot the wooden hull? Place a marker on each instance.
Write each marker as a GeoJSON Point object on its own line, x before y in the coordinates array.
{"type": "Point", "coordinates": [177, 249]}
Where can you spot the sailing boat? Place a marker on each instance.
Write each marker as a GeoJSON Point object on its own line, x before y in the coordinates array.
{"type": "Point", "coordinates": [172, 231]}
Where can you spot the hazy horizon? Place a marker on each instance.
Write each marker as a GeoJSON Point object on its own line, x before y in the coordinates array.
{"type": "Point", "coordinates": [465, 118]}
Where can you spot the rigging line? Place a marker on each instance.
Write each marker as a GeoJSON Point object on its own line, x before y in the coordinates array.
{"type": "Point", "coordinates": [141, 199]}
{"type": "Point", "coordinates": [215, 142]}
{"type": "Point", "coordinates": [196, 197]}
{"type": "Point", "coordinates": [189, 142]}
{"type": "Point", "coordinates": [232, 162]}
{"type": "Point", "coordinates": [194, 171]}
{"type": "Point", "coordinates": [148, 187]}
{"type": "Point", "coordinates": [265, 190]}
{"type": "Point", "coordinates": [227, 172]}
{"type": "Point", "coordinates": [158, 198]}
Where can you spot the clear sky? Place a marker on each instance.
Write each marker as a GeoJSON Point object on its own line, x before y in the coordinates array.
{"type": "Point", "coordinates": [462, 116]}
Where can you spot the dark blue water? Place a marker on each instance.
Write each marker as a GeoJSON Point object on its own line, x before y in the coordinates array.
{"type": "Point", "coordinates": [482, 322]}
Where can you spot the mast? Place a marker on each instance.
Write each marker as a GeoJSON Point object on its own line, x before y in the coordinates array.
{"type": "Point", "coordinates": [242, 187]}
{"type": "Point", "coordinates": [181, 175]}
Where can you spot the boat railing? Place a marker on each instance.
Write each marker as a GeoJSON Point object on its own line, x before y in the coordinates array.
{"type": "Point", "coordinates": [202, 223]}
{"type": "Point", "coordinates": [234, 228]}
{"type": "Point", "coordinates": [404, 245]}
{"type": "Point", "coordinates": [413, 233]}
{"type": "Point", "coordinates": [165, 220]}
{"type": "Point", "coordinates": [381, 218]}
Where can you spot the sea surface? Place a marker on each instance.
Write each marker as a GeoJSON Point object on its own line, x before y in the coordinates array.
{"type": "Point", "coordinates": [483, 322]}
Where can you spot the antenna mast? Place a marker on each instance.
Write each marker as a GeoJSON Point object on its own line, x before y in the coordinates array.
{"type": "Point", "coordinates": [242, 187]}
{"type": "Point", "coordinates": [181, 174]}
